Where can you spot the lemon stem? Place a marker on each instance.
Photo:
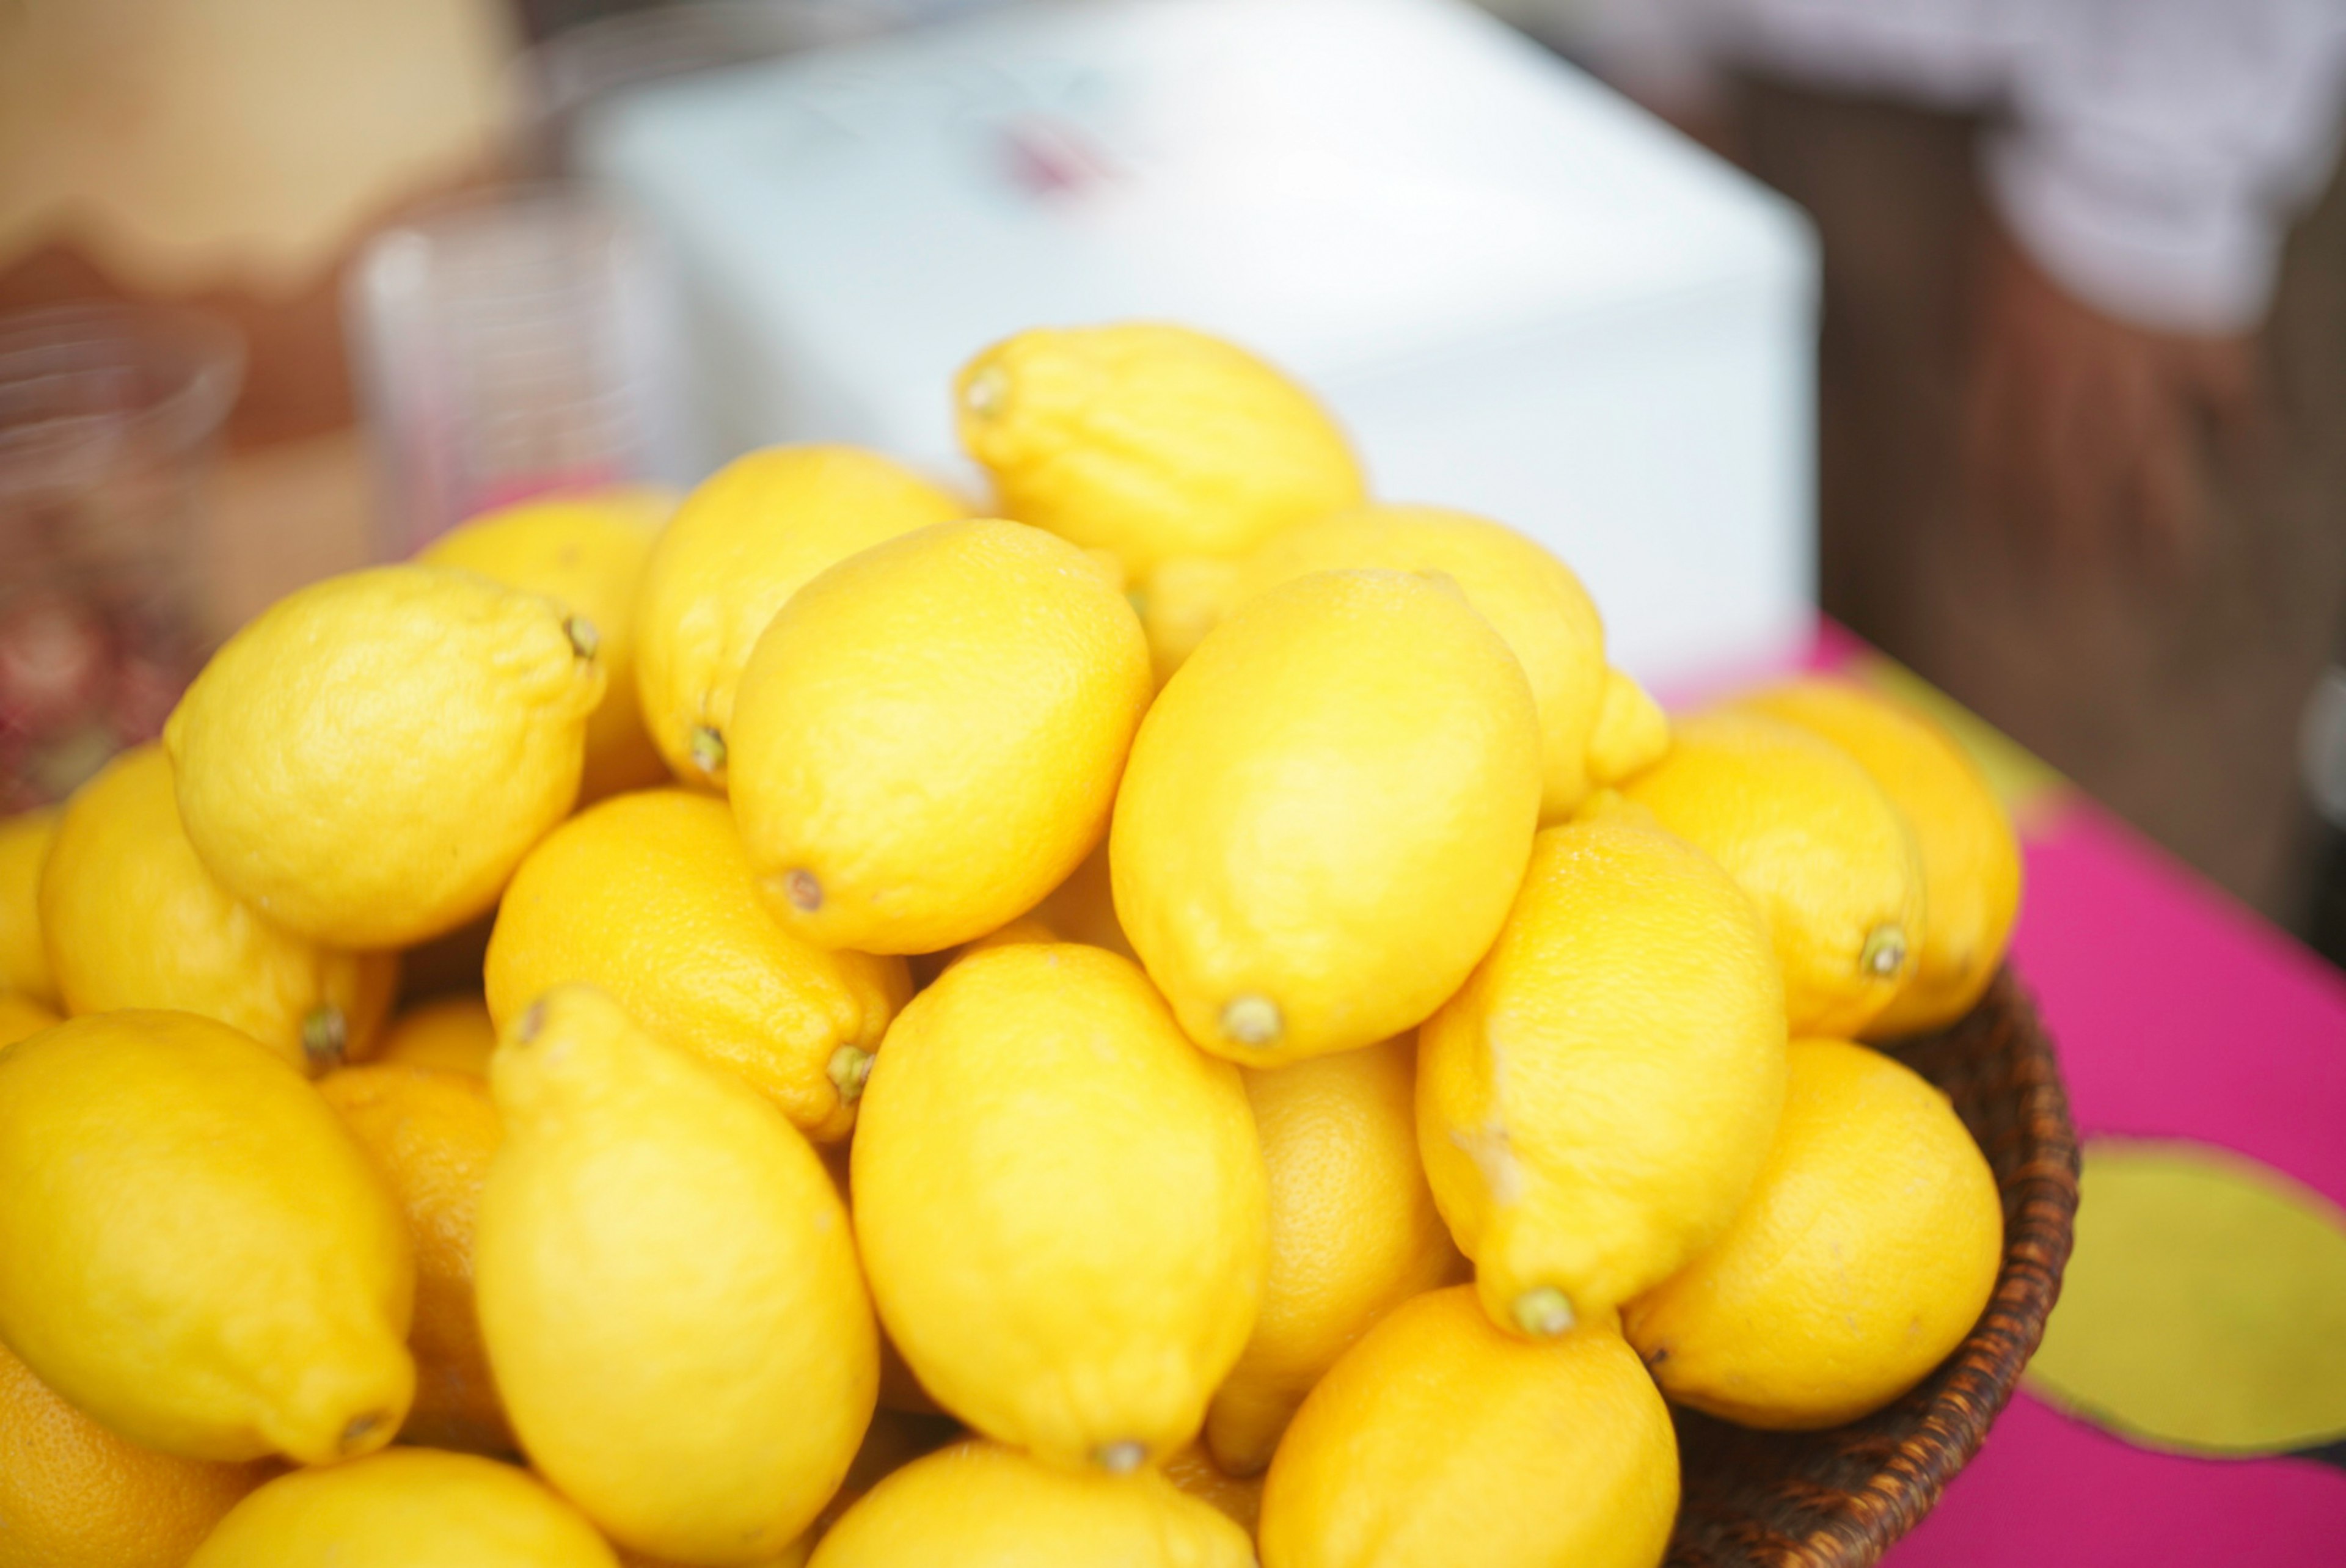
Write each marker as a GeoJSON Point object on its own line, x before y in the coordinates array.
{"type": "Point", "coordinates": [1252, 1020]}
{"type": "Point", "coordinates": [325, 1039]}
{"type": "Point", "coordinates": [707, 749]}
{"type": "Point", "coordinates": [584, 638]}
{"type": "Point", "coordinates": [1121, 1458]}
{"type": "Point", "coordinates": [1544, 1312]}
{"type": "Point", "coordinates": [1885, 951]}
{"type": "Point", "coordinates": [850, 1070]}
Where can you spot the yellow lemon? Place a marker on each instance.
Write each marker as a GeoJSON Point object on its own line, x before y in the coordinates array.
{"type": "Point", "coordinates": [23, 962]}
{"type": "Point", "coordinates": [134, 920]}
{"type": "Point", "coordinates": [980, 1505]}
{"type": "Point", "coordinates": [1353, 1231]}
{"type": "Point", "coordinates": [1969, 855]}
{"type": "Point", "coordinates": [369, 760]}
{"type": "Point", "coordinates": [1061, 1206]}
{"type": "Point", "coordinates": [1326, 814]}
{"type": "Point", "coordinates": [448, 1034]}
{"type": "Point", "coordinates": [192, 1247]}
{"type": "Point", "coordinates": [1182, 599]}
{"type": "Point", "coordinates": [1152, 441]}
{"type": "Point", "coordinates": [1438, 1440]}
{"type": "Point", "coordinates": [1632, 732]}
{"type": "Point", "coordinates": [1867, 1251]}
{"type": "Point", "coordinates": [669, 1290]}
{"type": "Point", "coordinates": [21, 1018]}
{"type": "Point", "coordinates": [1815, 841]}
{"type": "Point", "coordinates": [404, 1509]}
{"type": "Point", "coordinates": [73, 1495]}
{"type": "Point", "coordinates": [928, 737]}
{"type": "Point", "coordinates": [649, 897]}
{"type": "Point", "coordinates": [1530, 598]}
{"type": "Point", "coordinates": [751, 536]}
{"type": "Point", "coordinates": [431, 1136]}
{"type": "Point", "coordinates": [1240, 1497]}
{"type": "Point", "coordinates": [587, 553]}
{"type": "Point", "coordinates": [1595, 1102]}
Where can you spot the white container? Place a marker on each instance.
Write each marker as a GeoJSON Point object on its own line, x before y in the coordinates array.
{"type": "Point", "coordinates": [1523, 295]}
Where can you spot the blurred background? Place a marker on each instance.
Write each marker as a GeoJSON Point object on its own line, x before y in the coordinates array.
{"type": "Point", "coordinates": [2008, 334]}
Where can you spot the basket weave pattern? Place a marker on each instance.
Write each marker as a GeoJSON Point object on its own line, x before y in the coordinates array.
{"type": "Point", "coordinates": [1839, 1498]}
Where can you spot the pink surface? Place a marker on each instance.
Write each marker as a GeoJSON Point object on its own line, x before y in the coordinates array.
{"type": "Point", "coordinates": [2050, 1492]}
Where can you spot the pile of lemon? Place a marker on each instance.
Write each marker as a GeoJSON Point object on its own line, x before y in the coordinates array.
{"type": "Point", "coordinates": [1210, 1006]}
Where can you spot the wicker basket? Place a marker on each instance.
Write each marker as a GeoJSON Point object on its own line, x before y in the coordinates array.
{"type": "Point", "coordinates": [1837, 1499]}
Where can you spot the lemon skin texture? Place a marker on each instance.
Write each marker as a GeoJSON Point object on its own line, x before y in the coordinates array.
{"type": "Point", "coordinates": [1326, 815]}
{"type": "Point", "coordinates": [752, 534]}
{"type": "Point", "coordinates": [430, 1136]}
{"type": "Point", "coordinates": [669, 1290]}
{"type": "Point", "coordinates": [1530, 599]}
{"type": "Point", "coordinates": [1353, 1232]}
{"type": "Point", "coordinates": [134, 920]}
{"type": "Point", "coordinates": [649, 897]}
{"type": "Point", "coordinates": [405, 1509]}
{"type": "Point", "coordinates": [1152, 441]}
{"type": "Point", "coordinates": [1596, 1101]}
{"type": "Point", "coordinates": [21, 1018]}
{"type": "Point", "coordinates": [1061, 1206]}
{"type": "Point", "coordinates": [23, 961]}
{"type": "Point", "coordinates": [77, 1496]}
{"type": "Point", "coordinates": [900, 793]}
{"type": "Point", "coordinates": [982, 1505]}
{"type": "Point", "coordinates": [192, 1248]}
{"type": "Point", "coordinates": [447, 1033]}
{"type": "Point", "coordinates": [1438, 1429]}
{"type": "Point", "coordinates": [367, 761]}
{"type": "Point", "coordinates": [1825, 853]}
{"type": "Point", "coordinates": [587, 553]}
{"type": "Point", "coordinates": [1969, 856]}
{"type": "Point", "coordinates": [1868, 1248]}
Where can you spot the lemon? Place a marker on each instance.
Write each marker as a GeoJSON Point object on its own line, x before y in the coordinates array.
{"type": "Point", "coordinates": [1530, 598]}
{"type": "Point", "coordinates": [21, 1018]}
{"type": "Point", "coordinates": [1060, 1204]}
{"type": "Point", "coordinates": [1969, 855]}
{"type": "Point", "coordinates": [980, 1505]}
{"type": "Point", "coordinates": [1437, 1431]}
{"type": "Point", "coordinates": [134, 920]}
{"type": "Point", "coordinates": [73, 1495]}
{"type": "Point", "coordinates": [402, 1510]}
{"type": "Point", "coordinates": [587, 553]}
{"type": "Point", "coordinates": [369, 760]}
{"type": "Point", "coordinates": [1326, 814]}
{"type": "Point", "coordinates": [449, 1033]}
{"type": "Point", "coordinates": [192, 1248]}
{"type": "Point", "coordinates": [1353, 1231]}
{"type": "Point", "coordinates": [751, 535]}
{"type": "Point", "coordinates": [649, 897]}
{"type": "Point", "coordinates": [1595, 1102]}
{"type": "Point", "coordinates": [431, 1136]}
{"type": "Point", "coordinates": [1868, 1250]}
{"type": "Point", "coordinates": [23, 962]}
{"type": "Point", "coordinates": [1083, 908]}
{"type": "Point", "coordinates": [1152, 441]}
{"type": "Point", "coordinates": [1238, 1498]}
{"type": "Point", "coordinates": [1815, 841]}
{"type": "Point", "coordinates": [1632, 732]}
{"type": "Point", "coordinates": [669, 1290]}
{"type": "Point", "coordinates": [1182, 598]}
{"type": "Point", "coordinates": [927, 738]}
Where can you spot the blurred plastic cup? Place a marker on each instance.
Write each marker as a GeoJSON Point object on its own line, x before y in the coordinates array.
{"type": "Point", "coordinates": [109, 415]}
{"type": "Point", "coordinates": [511, 345]}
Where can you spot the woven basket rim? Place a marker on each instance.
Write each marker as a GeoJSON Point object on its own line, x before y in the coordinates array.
{"type": "Point", "coordinates": [1915, 1446]}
